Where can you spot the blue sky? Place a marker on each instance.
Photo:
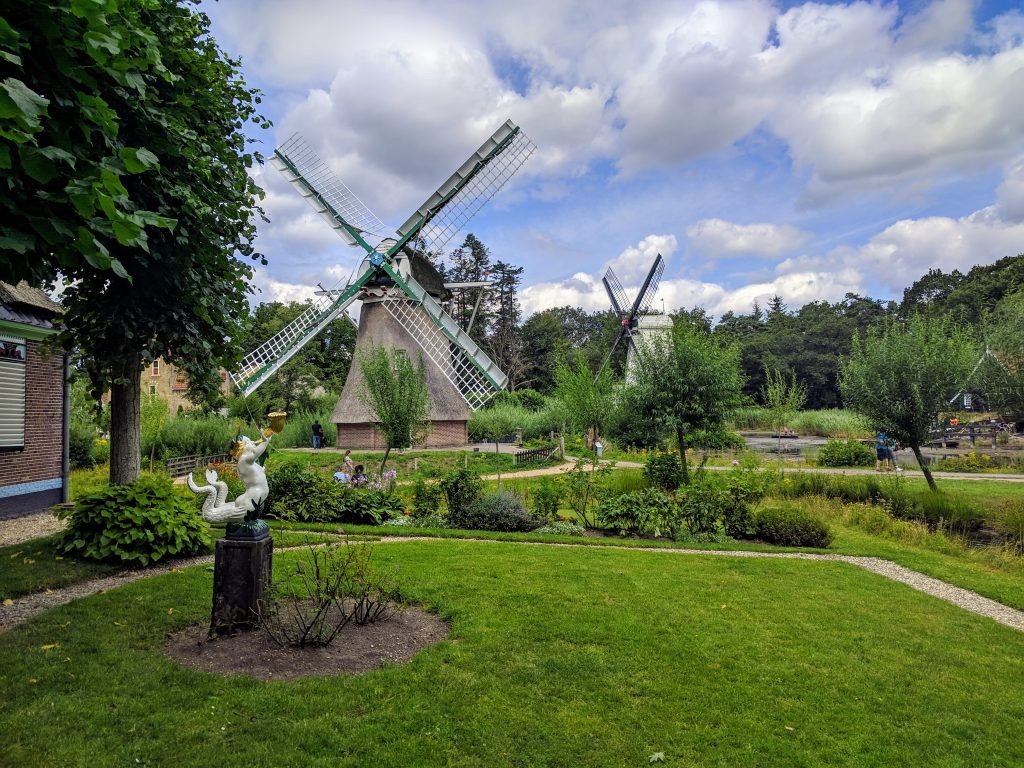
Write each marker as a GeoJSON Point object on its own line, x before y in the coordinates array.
{"type": "Point", "coordinates": [803, 149]}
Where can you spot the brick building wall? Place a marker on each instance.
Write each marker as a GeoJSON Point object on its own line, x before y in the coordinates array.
{"type": "Point", "coordinates": [443, 434]}
{"type": "Point", "coordinates": [30, 478]}
{"type": "Point", "coordinates": [169, 383]}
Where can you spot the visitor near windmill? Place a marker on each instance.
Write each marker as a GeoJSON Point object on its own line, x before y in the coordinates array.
{"type": "Point", "coordinates": [318, 435]}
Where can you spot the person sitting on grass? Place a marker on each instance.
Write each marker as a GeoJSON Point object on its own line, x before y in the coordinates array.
{"type": "Point", "coordinates": [358, 477]}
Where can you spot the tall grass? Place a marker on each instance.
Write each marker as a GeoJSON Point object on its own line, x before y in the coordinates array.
{"type": "Point", "coordinates": [832, 422]}
{"type": "Point", "coordinates": [534, 424]}
{"type": "Point", "coordinates": [298, 429]}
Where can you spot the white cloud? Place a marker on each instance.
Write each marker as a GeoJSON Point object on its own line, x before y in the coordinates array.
{"type": "Point", "coordinates": [715, 237]}
{"type": "Point", "coordinates": [1010, 194]}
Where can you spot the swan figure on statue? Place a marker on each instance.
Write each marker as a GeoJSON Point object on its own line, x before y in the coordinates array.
{"type": "Point", "coordinates": [216, 507]}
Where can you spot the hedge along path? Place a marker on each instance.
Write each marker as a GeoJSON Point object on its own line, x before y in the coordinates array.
{"type": "Point", "coordinates": [26, 607]}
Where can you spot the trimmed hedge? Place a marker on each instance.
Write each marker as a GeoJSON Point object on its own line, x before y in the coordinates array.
{"type": "Point", "coordinates": [790, 526]}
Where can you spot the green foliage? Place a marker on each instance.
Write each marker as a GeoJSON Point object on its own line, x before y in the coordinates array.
{"type": "Point", "coordinates": [305, 495]}
{"type": "Point", "coordinates": [949, 512]}
{"type": "Point", "coordinates": [426, 498]}
{"type": "Point", "coordinates": [195, 434]}
{"type": "Point", "coordinates": [527, 399]}
{"type": "Point", "coordinates": [832, 422]}
{"type": "Point", "coordinates": [395, 392]}
{"type": "Point", "coordinates": [498, 511]}
{"type": "Point", "coordinates": [546, 495]}
{"type": "Point", "coordinates": [782, 398]}
{"type": "Point", "coordinates": [128, 180]}
{"type": "Point", "coordinates": [461, 488]}
{"type": "Point", "coordinates": [716, 439]}
{"type": "Point", "coordinates": [648, 511]}
{"type": "Point", "coordinates": [82, 438]}
{"type": "Point", "coordinates": [700, 508]}
{"type": "Point", "coordinates": [1009, 521]}
{"type": "Point", "coordinates": [790, 526]}
{"type": "Point", "coordinates": [635, 423]}
{"type": "Point", "coordinates": [583, 488]}
{"type": "Point", "coordinates": [691, 380]}
{"type": "Point", "coordinates": [298, 427]}
{"type": "Point", "coordinates": [664, 470]}
{"type": "Point", "coordinates": [588, 401]}
{"type": "Point", "coordinates": [141, 523]}
{"type": "Point", "coordinates": [845, 453]}
{"type": "Point", "coordinates": [975, 461]}
{"type": "Point", "coordinates": [1001, 375]}
{"type": "Point", "coordinates": [152, 418]}
{"type": "Point", "coordinates": [902, 376]}
{"type": "Point", "coordinates": [562, 528]}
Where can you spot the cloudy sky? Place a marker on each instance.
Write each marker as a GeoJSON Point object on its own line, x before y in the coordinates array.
{"type": "Point", "coordinates": [806, 150]}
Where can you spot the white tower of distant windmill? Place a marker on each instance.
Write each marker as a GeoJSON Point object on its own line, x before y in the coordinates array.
{"type": "Point", "coordinates": [400, 290]}
{"type": "Point", "coordinates": [638, 327]}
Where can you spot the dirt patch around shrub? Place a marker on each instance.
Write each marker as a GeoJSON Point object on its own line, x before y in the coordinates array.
{"type": "Point", "coordinates": [356, 649]}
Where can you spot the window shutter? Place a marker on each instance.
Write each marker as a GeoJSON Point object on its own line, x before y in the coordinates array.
{"type": "Point", "coordinates": [12, 392]}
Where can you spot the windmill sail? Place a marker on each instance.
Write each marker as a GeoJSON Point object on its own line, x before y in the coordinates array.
{"type": "Point", "coordinates": [264, 361]}
{"type": "Point", "coordinates": [453, 351]}
{"type": "Point", "coordinates": [466, 191]}
{"type": "Point", "coordinates": [325, 192]}
{"type": "Point", "coordinates": [616, 293]}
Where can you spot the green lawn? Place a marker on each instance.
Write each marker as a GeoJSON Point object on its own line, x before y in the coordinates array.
{"type": "Point", "coordinates": [557, 657]}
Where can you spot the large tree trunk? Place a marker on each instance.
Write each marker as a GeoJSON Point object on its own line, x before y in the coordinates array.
{"type": "Point", "coordinates": [681, 438]}
{"type": "Point", "coordinates": [924, 467]}
{"type": "Point", "coordinates": [125, 430]}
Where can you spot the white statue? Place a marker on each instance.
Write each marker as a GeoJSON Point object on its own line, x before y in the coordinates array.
{"type": "Point", "coordinates": [216, 508]}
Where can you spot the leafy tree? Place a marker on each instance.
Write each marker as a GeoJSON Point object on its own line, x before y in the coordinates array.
{"type": "Point", "coordinates": [902, 375]}
{"type": "Point", "coordinates": [1002, 369]}
{"type": "Point", "coordinates": [782, 397]}
{"type": "Point", "coordinates": [587, 400]}
{"type": "Point", "coordinates": [395, 391]}
{"type": "Point", "coordinates": [692, 381]}
{"type": "Point", "coordinates": [126, 170]}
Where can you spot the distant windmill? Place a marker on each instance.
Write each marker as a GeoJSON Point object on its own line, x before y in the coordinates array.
{"type": "Point", "coordinates": [635, 322]}
{"type": "Point", "coordinates": [399, 288]}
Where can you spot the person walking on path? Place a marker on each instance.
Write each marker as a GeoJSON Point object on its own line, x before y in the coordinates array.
{"type": "Point", "coordinates": [318, 435]}
{"type": "Point", "coordinates": [883, 454]}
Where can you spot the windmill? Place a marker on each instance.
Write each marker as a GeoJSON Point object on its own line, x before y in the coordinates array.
{"type": "Point", "coordinates": [400, 290]}
{"type": "Point", "coordinates": [635, 322]}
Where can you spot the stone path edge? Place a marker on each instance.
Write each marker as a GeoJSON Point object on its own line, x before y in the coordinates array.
{"type": "Point", "coordinates": [28, 606]}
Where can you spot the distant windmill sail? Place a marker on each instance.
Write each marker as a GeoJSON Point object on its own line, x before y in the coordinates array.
{"type": "Point", "coordinates": [629, 317]}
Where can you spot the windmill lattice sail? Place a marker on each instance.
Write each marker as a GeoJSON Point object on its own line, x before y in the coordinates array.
{"type": "Point", "coordinates": [466, 191]}
{"type": "Point", "coordinates": [324, 191]}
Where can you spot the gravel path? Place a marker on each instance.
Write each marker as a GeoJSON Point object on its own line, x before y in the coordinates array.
{"type": "Point", "coordinates": [18, 529]}
{"type": "Point", "coordinates": [26, 607]}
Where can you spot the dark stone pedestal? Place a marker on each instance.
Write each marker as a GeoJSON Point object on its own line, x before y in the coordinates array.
{"type": "Point", "coordinates": [241, 574]}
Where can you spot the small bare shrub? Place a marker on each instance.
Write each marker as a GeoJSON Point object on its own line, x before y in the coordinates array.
{"type": "Point", "coordinates": [328, 587]}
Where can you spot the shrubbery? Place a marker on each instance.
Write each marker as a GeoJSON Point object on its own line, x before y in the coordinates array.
{"type": "Point", "coordinates": [649, 511]}
{"type": "Point", "coordinates": [499, 511]}
{"type": "Point", "coordinates": [790, 526]}
{"type": "Point", "coordinates": [846, 453]}
{"type": "Point", "coordinates": [426, 498]}
{"type": "Point", "coordinates": [305, 495]}
{"type": "Point", "coordinates": [461, 488]}
{"type": "Point", "coordinates": [142, 523]}
{"type": "Point", "coordinates": [547, 495]}
{"type": "Point", "coordinates": [664, 471]}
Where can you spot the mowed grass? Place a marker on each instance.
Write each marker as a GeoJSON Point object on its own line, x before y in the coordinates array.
{"type": "Point", "coordinates": [557, 656]}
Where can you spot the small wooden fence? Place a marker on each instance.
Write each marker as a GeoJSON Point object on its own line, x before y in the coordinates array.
{"type": "Point", "coordinates": [182, 465]}
{"type": "Point", "coordinates": [534, 455]}
{"type": "Point", "coordinates": [951, 437]}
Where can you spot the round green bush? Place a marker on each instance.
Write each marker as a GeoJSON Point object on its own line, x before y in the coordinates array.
{"type": "Point", "coordinates": [846, 453]}
{"type": "Point", "coordinates": [664, 470]}
{"type": "Point", "coordinates": [461, 487]}
{"type": "Point", "coordinates": [499, 511]}
{"type": "Point", "coordinates": [143, 522]}
{"type": "Point", "coordinates": [790, 526]}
